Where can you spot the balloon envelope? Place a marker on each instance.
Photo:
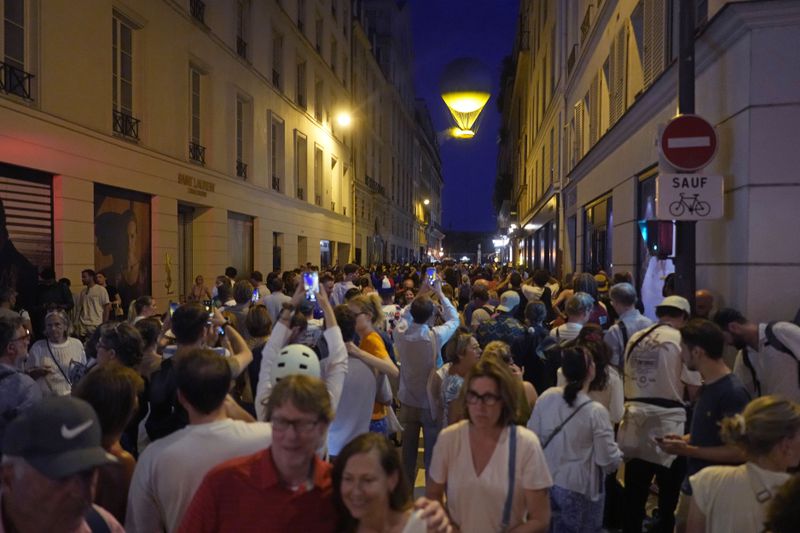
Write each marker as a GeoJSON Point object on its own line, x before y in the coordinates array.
{"type": "Point", "coordinates": [465, 87]}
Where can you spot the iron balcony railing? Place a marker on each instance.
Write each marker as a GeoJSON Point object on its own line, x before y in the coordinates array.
{"type": "Point", "coordinates": [318, 200]}
{"type": "Point", "coordinates": [300, 193]}
{"type": "Point", "coordinates": [197, 153]}
{"type": "Point", "coordinates": [126, 125]}
{"type": "Point", "coordinates": [16, 81]}
{"type": "Point", "coordinates": [241, 169]}
{"type": "Point", "coordinates": [276, 183]}
{"type": "Point", "coordinates": [241, 47]}
{"type": "Point", "coordinates": [198, 9]}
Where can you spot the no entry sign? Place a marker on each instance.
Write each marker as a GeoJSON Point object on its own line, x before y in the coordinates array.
{"type": "Point", "coordinates": [688, 142]}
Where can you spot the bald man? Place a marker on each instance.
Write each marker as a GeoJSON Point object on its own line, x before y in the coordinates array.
{"type": "Point", "coordinates": [703, 302]}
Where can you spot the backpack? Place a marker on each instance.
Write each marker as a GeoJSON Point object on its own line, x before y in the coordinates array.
{"type": "Point", "coordinates": [775, 342]}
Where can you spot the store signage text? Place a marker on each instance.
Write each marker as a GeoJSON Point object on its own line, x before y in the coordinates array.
{"type": "Point", "coordinates": [196, 186]}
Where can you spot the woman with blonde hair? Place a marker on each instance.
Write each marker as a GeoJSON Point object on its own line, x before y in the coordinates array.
{"type": "Point", "coordinates": [734, 499]}
{"type": "Point", "coordinates": [501, 352]}
{"type": "Point", "coordinates": [372, 350]}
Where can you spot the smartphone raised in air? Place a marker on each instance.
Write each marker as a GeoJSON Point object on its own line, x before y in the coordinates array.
{"type": "Point", "coordinates": [430, 274]}
{"type": "Point", "coordinates": [256, 297]}
{"type": "Point", "coordinates": [311, 285]}
{"type": "Point", "coordinates": [172, 307]}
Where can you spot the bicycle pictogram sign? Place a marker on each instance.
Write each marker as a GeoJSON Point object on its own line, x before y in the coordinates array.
{"type": "Point", "coordinates": [690, 202]}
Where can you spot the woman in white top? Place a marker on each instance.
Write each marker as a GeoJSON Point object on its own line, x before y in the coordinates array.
{"type": "Point", "coordinates": [49, 359]}
{"type": "Point", "coordinates": [371, 492]}
{"type": "Point", "coordinates": [462, 352]}
{"type": "Point", "coordinates": [579, 445]}
{"type": "Point", "coordinates": [733, 499]}
{"type": "Point", "coordinates": [606, 388]}
{"type": "Point", "coordinates": [578, 308]}
{"type": "Point", "coordinates": [142, 307]}
{"type": "Point", "coordinates": [472, 464]}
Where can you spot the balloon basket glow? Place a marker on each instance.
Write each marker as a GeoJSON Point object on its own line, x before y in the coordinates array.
{"type": "Point", "coordinates": [459, 133]}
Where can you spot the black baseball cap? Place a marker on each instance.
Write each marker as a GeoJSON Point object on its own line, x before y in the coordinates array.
{"type": "Point", "coordinates": [59, 436]}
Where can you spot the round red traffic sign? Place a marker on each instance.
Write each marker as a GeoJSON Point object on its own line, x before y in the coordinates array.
{"type": "Point", "coordinates": [688, 142]}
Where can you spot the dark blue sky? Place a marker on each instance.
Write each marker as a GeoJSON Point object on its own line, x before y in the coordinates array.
{"type": "Point", "coordinates": [444, 30]}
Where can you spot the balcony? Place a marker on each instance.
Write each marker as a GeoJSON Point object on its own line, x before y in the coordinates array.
{"type": "Point", "coordinates": [276, 79]}
{"type": "Point", "coordinates": [375, 186]}
{"type": "Point", "coordinates": [16, 81]}
{"type": "Point", "coordinates": [241, 169]}
{"type": "Point", "coordinates": [198, 10]}
{"type": "Point", "coordinates": [276, 183]}
{"type": "Point", "coordinates": [126, 125]}
{"type": "Point", "coordinates": [318, 200]}
{"type": "Point", "coordinates": [333, 206]}
{"type": "Point", "coordinates": [241, 47]}
{"type": "Point", "coordinates": [300, 193]}
{"type": "Point", "coordinates": [197, 153]}
{"type": "Point", "coordinates": [586, 25]}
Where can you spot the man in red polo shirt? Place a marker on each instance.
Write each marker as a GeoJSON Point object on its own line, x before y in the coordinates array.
{"type": "Point", "coordinates": [286, 487]}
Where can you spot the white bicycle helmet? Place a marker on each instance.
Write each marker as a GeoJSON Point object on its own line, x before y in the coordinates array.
{"type": "Point", "coordinates": [295, 359]}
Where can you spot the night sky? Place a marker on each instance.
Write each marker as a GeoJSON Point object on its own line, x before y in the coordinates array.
{"type": "Point", "coordinates": [444, 30]}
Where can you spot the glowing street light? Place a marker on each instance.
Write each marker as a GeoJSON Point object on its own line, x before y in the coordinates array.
{"type": "Point", "coordinates": [344, 119]}
{"type": "Point", "coordinates": [426, 202]}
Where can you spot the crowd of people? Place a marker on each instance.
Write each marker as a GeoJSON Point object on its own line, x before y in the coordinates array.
{"type": "Point", "coordinates": [297, 402]}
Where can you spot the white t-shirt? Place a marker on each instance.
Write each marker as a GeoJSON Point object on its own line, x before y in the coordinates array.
{"type": "Point", "coordinates": [55, 384]}
{"type": "Point", "coordinates": [776, 370]}
{"type": "Point", "coordinates": [655, 369]}
{"type": "Point", "coordinates": [90, 305]}
{"type": "Point", "coordinates": [611, 397]}
{"type": "Point", "coordinates": [476, 502]}
{"type": "Point", "coordinates": [566, 331]}
{"type": "Point", "coordinates": [170, 469]}
{"type": "Point", "coordinates": [726, 495]}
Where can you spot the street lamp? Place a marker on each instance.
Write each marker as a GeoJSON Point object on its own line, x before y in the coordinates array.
{"type": "Point", "coordinates": [344, 119]}
{"type": "Point", "coordinates": [426, 202]}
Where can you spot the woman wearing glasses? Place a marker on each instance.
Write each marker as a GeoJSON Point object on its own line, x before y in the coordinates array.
{"type": "Point", "coordinates": [493, 471]}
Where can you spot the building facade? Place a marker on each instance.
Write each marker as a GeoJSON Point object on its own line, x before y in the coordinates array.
{"type": "Point", "coordinates": [159, 140]}
{"type": "Point", "coordinates": [614, 84]}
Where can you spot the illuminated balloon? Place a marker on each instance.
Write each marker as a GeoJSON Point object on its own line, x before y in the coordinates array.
{"type": "Point", "coordinates": [465, 86]}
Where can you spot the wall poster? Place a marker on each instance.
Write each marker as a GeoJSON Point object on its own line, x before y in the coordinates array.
{"type": "Point", "coordinates": [122, 240]}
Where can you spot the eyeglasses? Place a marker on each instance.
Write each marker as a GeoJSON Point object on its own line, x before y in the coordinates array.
{"type": "Point", "coordinates": [487, 399]}
{"type": "Point", "coordinates": [24, 337]}
{"type": "Point", "coordinates": [299, 426]}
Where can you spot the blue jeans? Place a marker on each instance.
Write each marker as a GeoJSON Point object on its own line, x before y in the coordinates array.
{"type": "Point", "coordinates": [413, 419]}
{"type": "Point", "coordinates": [379, 426]}
{"type": "Point", "coordinates": [573, 512]}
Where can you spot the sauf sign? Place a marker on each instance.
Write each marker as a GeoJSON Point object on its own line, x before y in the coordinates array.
{"type": "Point", "coordinates": [688, 143]}
{"type": "Point", "coordinates": [689, 197]}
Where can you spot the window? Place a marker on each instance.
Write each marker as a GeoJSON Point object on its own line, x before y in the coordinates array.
{"type": "Point", "coordinates": [197, 152]}
{"type": "Point", "coordinates": [318, 170]}
{"type": "Point", "coordinates": [241, 166]}
{"type": "Point", "coordinates": [277, 152]}
{"type": "Point", "coordinates": [301, 84]}
{"type": "Point", "coordinates": [301, 15]}
{"type": "Point", "coordinates": [198, 9]}
{"type": "Point", "coordinates": [277, 61]}
{"type": "Point", "coordinates": [122, 78]}
{"type": "Point", "coordinates": [334, 53]}
{"type": "Point", "coordinates": [240, 241]}
{"type": "Point", "coordinates": [319, 91]}
{"type": "Point", "coordinates": [13, 78]}
{"type": "Point", "coordinates": [318, 29]}
{"type": "Point", "coordinates": [242, 16]}
{"type": "Point", "coordinates": [598, 230]}
{"type": "Point", "coordinates": [301, 165]}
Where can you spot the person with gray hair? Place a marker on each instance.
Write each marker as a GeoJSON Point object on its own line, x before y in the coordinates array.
{"type": "Point", "coordinates": [578, 308]}
{"type": "Point", "coordinates": [623, 300]}
{"type": "Point", "coordinates": [52, 358]}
